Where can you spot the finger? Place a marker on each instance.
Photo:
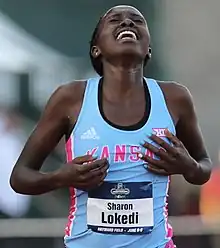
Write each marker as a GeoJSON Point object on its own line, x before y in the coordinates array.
{"type": "Point", "coordinates": [90, 178]}
{"type": "Point", "coordinates": [162, 143]}
{"type": "Point", "coordinates": [172, 138]}
{"type": "Point", "coordinates": [150, 147]}
{"type": "Point", "coordinates": [99, 180]}
{"type": "Point", "coordinates": [84, 159]}
{"type": "Point", "coordinates": [102, 179]}
{"type": "Point", "coordinates": [102, 163]}
{"type": "Point", "coordinates": [94, 175]}
{"type": "Point", "coordinates": [94, 181]}
{"type": "Point", "coordinates": [147, 158]}
{"type": "Point", "coordinates": [103, 168]}
{"type": "Point", "coordinates": [155, 162]}
{"type": "Point", "coordinates": [158, 171]}
{"type": "Point", "coordinates": [159, 152]}
{"type": "Point", "coordinates": [95, 165]}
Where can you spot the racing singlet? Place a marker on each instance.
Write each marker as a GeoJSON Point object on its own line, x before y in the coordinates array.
{"type": "Point", "coordinates": [130, 208]}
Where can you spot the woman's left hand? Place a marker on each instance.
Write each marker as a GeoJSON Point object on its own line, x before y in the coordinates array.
{"type": "Point", "coordinates": [173, 159]}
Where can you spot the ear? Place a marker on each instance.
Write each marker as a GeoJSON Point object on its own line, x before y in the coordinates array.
{"type": "Point", "coordinates": [149, 52]}
{"type": "Point", "coordinates": [95, 51]}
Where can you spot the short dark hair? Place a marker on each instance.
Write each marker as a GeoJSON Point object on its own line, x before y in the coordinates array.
{"type": "Point", "coordinates": [97, 62]}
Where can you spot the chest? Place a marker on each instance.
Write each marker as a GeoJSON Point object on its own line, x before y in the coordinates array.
{"type": "Point", "coordinates": [124, 113]}
{"type": "Point", "coordinates": [118, 146]}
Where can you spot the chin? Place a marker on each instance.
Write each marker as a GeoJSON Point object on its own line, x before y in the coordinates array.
{"type": "Point", "coordinates": [130, 53]}
{"type": "Point", "coordinates": [125, 53]}
{"type": "Point", "coordinates": [129, 47]}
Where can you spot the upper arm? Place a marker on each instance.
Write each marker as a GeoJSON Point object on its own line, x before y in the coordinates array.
{"type": "Point", "coordinates": [52, 126]}
{"type": "Point", "coordinates": [187, 128]}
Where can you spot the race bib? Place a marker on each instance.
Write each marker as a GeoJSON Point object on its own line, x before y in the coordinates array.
{"type": "Point", "coordinates": [121, 208]}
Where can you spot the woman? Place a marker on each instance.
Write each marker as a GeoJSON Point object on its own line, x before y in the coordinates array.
{"type": "Point", "coordinates": [121, 147]}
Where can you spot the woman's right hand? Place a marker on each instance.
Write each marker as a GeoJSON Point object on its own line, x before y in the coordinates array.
{"type": "Point", "coordinates": [83, 173]}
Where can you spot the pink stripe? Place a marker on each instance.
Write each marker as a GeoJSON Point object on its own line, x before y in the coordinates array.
{"type": "Point", "coordinates": [170, 244]}
{"type": "Point", "coordinates": [72, 210]}
{"type": "Point", "coordinates": [169, 229]}
{"type": "Point", "coordinates": [69, 152]}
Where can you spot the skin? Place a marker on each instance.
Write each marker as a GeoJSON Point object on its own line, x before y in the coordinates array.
{"type": "Point", "coordinates": [122, 93]}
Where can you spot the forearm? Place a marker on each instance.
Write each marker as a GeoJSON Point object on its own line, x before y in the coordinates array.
{"type": "Point", "coordinates": [32, 182]}
{"type": "Point", "coordinates": [200, 173]}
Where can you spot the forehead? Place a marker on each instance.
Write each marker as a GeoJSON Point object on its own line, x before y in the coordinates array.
{"type": "Point", "coordinates": [123, 9]}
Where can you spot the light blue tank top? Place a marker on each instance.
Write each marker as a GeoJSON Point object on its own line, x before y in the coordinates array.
{"type": "Point", "coordinates": [130, 208]}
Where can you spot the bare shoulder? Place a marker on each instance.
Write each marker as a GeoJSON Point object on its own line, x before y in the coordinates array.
{"type": "Point", "coordinates": [178, 98]}
{"type": "Point", "coordinates": [71, 92]}
{"type": "Point", "coordinates": [174, 90]}
{"type": "Point", "coordinates": [66, 98]}
{"type": "Point", "coordinates": [66, 102]}
{"type": "Point", "coordinates": [63, 107]}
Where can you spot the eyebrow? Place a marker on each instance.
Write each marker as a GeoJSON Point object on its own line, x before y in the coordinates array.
{"type": "Point", "coordinates": [136, 15]}
{"type": "Point", "coordinates": [119, 14]}
{"type": "Point", "coordinates": [113, 15]}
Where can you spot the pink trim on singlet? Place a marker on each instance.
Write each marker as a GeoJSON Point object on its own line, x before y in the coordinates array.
{"type": "Point", "coordinates": [168, 227]}
{"type": "Point", "coordinates": [72, 210]}
{"type": "Point", "coordinates": [170, 244]}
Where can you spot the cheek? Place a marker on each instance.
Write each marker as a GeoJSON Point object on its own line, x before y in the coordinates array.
{"type": "Point", "coordinates": [106, 42]}
{"type": "Point", "coordinates": [145, 49]}
{"type": "Point", "coordinates": [145, 36]}
{"type": "Point", "coordinates": [106, 34]}
{"type": "Point", "coordinates": [145, 44]}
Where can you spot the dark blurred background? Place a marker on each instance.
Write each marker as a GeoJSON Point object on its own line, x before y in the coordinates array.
{"type": "Point", "coordinates": [46, 43]}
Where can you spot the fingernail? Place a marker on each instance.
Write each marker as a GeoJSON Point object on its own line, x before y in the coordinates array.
{"type": "Point", "coordinates": [145, 166]}
{"type": "Point", "coordinates": [140, 155]}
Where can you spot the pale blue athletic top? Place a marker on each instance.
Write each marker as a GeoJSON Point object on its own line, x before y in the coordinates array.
{"type": "Point", "coordinates": [130, 208]}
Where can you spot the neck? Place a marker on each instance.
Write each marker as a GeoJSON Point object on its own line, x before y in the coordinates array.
{"type": "Point", "coordinates": [120, 81]}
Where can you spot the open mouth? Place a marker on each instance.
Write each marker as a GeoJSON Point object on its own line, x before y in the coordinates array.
{"type": "Point", "coordinates": [126, 35]}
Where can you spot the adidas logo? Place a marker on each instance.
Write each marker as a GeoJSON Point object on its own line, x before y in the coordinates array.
{"type": "Point", "coordinates": [90, 134]}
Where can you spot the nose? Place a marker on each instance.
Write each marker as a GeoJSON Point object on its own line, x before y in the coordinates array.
{"type": "Point", "coordinates": [127, 23]}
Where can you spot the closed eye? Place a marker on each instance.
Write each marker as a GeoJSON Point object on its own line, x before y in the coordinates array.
{"type": "Point", "coordinates": [114, 20]}
{"type": "Point", "coordinates": [138, 21]}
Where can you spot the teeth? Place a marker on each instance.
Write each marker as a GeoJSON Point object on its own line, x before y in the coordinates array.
{"type": "Point", "coordinates": [126, 34]}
